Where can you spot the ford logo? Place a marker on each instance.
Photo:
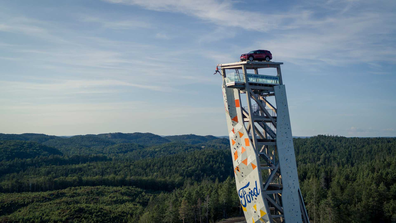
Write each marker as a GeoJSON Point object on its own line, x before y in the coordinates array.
{"type": "Point", "coordinates": [247, 197]}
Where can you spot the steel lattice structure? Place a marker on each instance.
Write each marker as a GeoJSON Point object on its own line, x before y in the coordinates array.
{"type": "Point", "coordinates": [261, 143]}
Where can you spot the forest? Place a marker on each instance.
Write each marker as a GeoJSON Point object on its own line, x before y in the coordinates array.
{"type": "Point", "coordinates": [143, 177]}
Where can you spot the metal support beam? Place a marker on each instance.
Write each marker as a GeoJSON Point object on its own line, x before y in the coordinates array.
{"type": "Point", "coordinates": [268, 104]}
{"type": "Point", "coordinates": [271, 177]}
{"type": "Point", "coordinates": [262, 108]}
{"type": "Point", "coordinates": [249, 104]}
{"type": "Point", "coordinates": [277, 206]}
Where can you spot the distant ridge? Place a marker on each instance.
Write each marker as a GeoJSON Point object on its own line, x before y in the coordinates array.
{"type": "Point", "coordinates": [191, 138]}
{"type": "Point", "coordinates": [11, 149]}
{"type": "Point", "coordinates": [146, 139]}
{"type": "Point", "coordinates": [31, 137]}
{"type": "Point", "coordinates": [115, 143]}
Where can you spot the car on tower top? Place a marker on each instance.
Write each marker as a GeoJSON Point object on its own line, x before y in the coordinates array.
{"type": "Point", "coordinates": [260, 55]}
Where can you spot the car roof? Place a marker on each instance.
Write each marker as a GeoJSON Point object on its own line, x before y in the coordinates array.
{"type": "Point", "coordinates": [259, 50]}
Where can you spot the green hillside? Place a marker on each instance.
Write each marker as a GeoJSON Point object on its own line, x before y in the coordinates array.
{"type": "Point", "coordinates": [348, 179]}
{"type": "Point", "coordinates": [31, 137]}
{"type": "Point", "coordinates": [80, 145]}
{"type": "Point", "coordinates": [191, 139]}
{"type": "Point", "coordinates": [75, 204]}
{"type": "Point", "coordinates": [145, 139]}
{"type": "Point", "coordinates": [128, 178]}
{"type": "Point", "coordinates": [10, 150]}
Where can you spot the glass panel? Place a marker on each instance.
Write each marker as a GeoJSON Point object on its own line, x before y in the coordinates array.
{"type": "Point", "coordinates": [253, 78]}
{"type": "Point", "coordinates": [234, 77]}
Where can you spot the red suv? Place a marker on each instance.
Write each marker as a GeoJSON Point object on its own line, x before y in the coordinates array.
{"type": "Point", "coordinates": [257, 55]}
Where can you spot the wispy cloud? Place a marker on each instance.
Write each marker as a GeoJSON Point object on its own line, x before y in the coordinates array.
{"type": "Point", "coordinates": [371, 132]}
{"type": "Point", "coordinates": [218, 34]}
{"type": "Point", "coordinates": [162, 36]}
{"type": "Point", "coordinates": [81, 118]}
{"type": "Point", "coordinates": [220, 13]}
{"type": "Point", "coordinates": [131, 23]}
{"type": "Point", "coordinates": [10, 58]}
{"type": "Point", "coordinates": [73, 86]}
{"type": "Point", "coordinates": [31, 27]}
{"type": "Point", "coordinates": [362, 37]}
{"type": "Point", "coordinates": [354, 130]}
{"type": "Point", "coordinates": [320, 31]}
{"type": "Point", "coordinates": [91, 56]}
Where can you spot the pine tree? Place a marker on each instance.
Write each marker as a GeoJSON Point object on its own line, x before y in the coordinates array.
{"type": "Point", "coordinates": [183, 210]}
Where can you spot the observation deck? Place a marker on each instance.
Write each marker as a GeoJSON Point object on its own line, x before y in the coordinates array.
{"type": "Point", "coordinates": [248, 72]}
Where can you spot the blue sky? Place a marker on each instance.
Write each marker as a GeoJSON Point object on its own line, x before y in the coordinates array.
{"type": "Point", "coordinates": [87, 67]}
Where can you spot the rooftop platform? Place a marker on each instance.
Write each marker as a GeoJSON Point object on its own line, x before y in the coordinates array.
{"type": "Point", "coordinates": [250, 65]}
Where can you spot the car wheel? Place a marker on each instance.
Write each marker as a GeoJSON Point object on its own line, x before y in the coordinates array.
{"type": "Point", "coordinates": [251, 58]}
{"type": "Point", "coordinates": [267, 59]}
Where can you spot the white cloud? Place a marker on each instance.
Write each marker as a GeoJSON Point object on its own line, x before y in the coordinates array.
{"type": "Point", "coordinates": [82, 118]}
{"type": "Point", "coordinates": [218, 34]}
{"type": "Point", "coordinates": [343, 39]}
{"type": "Point", "coordinates": [219, 57]}
{"type": "Point", "coordinates": [331, 32]}
{"type": "Point", "coordinates": [371, 132]}
{"type": "Point", "coordinates": [10, 58]}
{"type": "Point", "coordinates": [220, 13]}
{"type": "Point", "coordinates": [389, 130]}
{"type": "Point", "coordinates": [73, 86]}
{"type": "Point", "coordinates": [31, 27]}
{"type": "Point", "coordinates": [162, 36]}
{"type": "Point", "coordinates": [131, 23]}
{"type": "Point", "coordinates": [74, 52]}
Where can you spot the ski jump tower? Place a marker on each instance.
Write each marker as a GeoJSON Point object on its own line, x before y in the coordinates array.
{"type": "Point", "coordinates": [261, 143]}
